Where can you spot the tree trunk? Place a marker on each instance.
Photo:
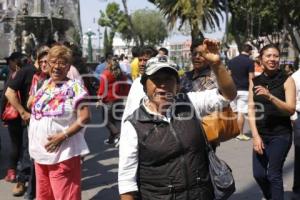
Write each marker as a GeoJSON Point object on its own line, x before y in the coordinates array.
{"type": "Point", "coordinates": [294, 42]}
{"type": "Point", "coordinates": [235, 34]}
{"type": "Point", "coordinates": [136, 36]}
{"type": "Point", "coordinates": [110, 41]}
{"type": "Point", "coordinates": [105, 42]}
{"type": "Point", "coordinates": [195, 31]}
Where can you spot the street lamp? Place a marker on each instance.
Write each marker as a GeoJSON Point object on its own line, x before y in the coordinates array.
{"type": "Point", "coordinates": [90, 33]}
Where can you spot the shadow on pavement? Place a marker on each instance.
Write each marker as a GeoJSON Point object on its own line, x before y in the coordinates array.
{"type": "Point", "coordinates": [100, 167]}
{"type": "Point", "coordinates": [107, 194]}
{"type": "Point", "coordinates": [253, 191]}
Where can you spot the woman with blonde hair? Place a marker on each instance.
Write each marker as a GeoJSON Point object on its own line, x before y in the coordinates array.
{"type": "Point", "coordinates": [56, 130]}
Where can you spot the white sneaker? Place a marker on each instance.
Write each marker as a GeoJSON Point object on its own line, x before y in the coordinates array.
{"type": "Point", "coordinates": [243, 137]}
{"type": "Point", "coordinates": [116, 142]}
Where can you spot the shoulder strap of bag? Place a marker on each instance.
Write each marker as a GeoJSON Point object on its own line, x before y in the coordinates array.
{"type": "Point", "coordinates": [208, 146]}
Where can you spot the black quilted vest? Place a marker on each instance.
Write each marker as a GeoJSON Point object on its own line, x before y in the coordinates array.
{"type": "Point", "coordinates": [172, 157]}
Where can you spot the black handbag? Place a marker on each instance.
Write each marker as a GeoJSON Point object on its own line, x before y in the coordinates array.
{"type": "Point", "coordinates": [220, 174]}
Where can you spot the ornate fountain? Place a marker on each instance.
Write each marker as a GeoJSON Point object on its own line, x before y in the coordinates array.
{"type": "Point", "coordinates": [30, 23]}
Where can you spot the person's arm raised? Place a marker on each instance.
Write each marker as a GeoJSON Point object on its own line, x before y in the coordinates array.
{"type": "Point", "coordinates": [211, 52]}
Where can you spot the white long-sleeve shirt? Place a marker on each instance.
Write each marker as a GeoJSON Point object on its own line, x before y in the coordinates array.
{"type": "Point", "coordinates": [296, 77]}
{"type": "Point", "coordinates": [204, 102]}
{"type": "Point", "coordinates": [136, 93]}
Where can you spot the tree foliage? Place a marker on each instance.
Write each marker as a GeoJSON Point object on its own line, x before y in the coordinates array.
{"type": "Point", "coordinates": [115, 20]}
{"type": "Point", "coordinates": [150, 26]}
{"type": "Point", "coordinates": [107, 46]}
{"type": "Point", "coordinates": [143, 26]}
{"type": "Point", "coordinates": [132, 33]}
{"type": "Point", "coordinates": [199, 14]}
{"type": "Point", "coordinates": [275, 20]}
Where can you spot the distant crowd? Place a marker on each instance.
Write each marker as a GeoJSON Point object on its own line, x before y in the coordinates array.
{"type": "Point", "coordinates": [153, 114]}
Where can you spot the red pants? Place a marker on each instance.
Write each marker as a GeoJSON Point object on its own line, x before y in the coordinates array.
{"type": "Point", "coordinates": [59, 181]}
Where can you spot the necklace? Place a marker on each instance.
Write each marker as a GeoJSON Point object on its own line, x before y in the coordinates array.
{"type": "Point", "coordinates": [50, 100]}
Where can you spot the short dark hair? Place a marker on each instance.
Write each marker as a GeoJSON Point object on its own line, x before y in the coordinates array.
{"type": "Point", "coordinates": [148, 50]}
{"type": "Point", "coordinates": [247, 48]}
{"type": "Point", "coordinates": [121, 57]}
{"type": "Point", "coordinates": [135, 51]}
{"type": "Point", "coordinates": [163, 49]}
{"type": "Point", "coordinates": [196, 42]}
{"type": "Point", "coordinates": [109, 56]}
{"type": "Point", "coordinates": [22, 61]}
{"type": "Point", "coordinates": [42, 51]}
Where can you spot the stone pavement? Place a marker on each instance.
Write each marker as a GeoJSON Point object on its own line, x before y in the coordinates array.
{"type": "Point", "coordinates": [99, 171]}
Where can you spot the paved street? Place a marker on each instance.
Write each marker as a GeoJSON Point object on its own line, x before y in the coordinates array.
{"type": "Point", "coordinates": [101, 165]}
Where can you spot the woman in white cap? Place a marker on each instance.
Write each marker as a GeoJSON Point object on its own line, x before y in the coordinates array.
{"type": "Point", "coordinates": [162, 153]}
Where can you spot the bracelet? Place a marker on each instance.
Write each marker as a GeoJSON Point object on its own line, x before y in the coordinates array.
{"type": "Point", "coordinates": [65, 134]}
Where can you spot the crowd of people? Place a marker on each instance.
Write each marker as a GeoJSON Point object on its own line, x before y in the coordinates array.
{"type": "Point", "coordinates": [152, 114]}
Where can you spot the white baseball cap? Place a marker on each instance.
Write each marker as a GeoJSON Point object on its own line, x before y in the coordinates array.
{"type": "Point", "coordinates": [160, 62]}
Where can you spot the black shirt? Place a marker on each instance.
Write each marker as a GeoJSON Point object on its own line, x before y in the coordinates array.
{"type": "Point", "coordinates": [22, 82]}
{"type": "Point", "coordinates": [271, 120]}
{"type": "Point", "coordinates": [240, 68]}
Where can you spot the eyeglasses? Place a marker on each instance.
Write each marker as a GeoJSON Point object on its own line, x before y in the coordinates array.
{"type": "Point", "coordinates": [52, 63]}
{"type": "Point", "coordinates": [42, 62]}
{"type": "Point", "coordinates": [196, 53]}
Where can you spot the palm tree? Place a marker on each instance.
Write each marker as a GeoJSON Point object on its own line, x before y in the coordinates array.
{"type": "Point", "coordinates": [136, 36]}
{"type": "Point", "coordinates": [197, 13]}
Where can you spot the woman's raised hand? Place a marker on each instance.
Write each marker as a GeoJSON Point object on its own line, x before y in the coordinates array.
{"type": "Point", "coordinates": [211, 51]}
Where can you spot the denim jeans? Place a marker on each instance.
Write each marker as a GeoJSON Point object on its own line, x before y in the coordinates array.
{"type": "Point", "coordinates": [15, 130]}
{"type": "Point", "coordinates": [267, 168]}
{"type": "Point", "coordinates": [296, 185]}
{"type": "Point", "coordinates": [26, 171]}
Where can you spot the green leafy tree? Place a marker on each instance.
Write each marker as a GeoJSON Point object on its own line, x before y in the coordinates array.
{"type": "Point", "coordinates": [199, 14]}
{"type": "Point", "coordinates": [276, 20]}
{"type": "Point", "coordinates": [152, 28]}
{"type": "Point", "coordinates": [106, 43]}
{"type": "Point", "coordinates": [132, 33]}
{"type": "Point", "coordinates": [289, 10]}
{"type": "Point", "coordinates": [114, 19]}
{"type": "Point", "coordinates": [251, 19]}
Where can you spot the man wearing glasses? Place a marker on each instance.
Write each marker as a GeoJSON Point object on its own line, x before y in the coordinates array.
{"type": "Point", "coordinates": [201, 77]}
